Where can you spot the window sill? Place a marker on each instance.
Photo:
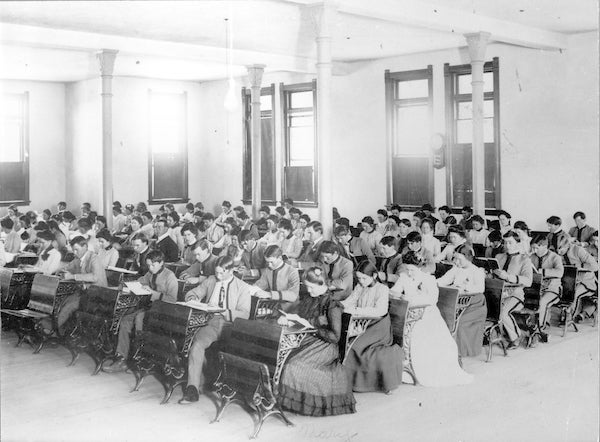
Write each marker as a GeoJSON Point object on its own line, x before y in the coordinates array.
{"type": "Point", "coordinates": [156, 202]}
{"type": "Point", "coordinates": [18, 203]}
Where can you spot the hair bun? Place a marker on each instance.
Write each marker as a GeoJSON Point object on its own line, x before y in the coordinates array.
{"type": "Point", "coordinates": [318, 271]}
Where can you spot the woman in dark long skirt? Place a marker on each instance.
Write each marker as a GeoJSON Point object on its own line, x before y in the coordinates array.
{"type": "Point", "coordinates": [374, 362]}
{"type": "Point", "coordinates": [314, 382]}
{"type": "Point", "coordinates": [468, 279]}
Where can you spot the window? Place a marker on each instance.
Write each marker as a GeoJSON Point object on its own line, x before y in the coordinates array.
{"type": "Point", "coordinates": [14, 149]}
{"type": "Point", "coordinates": [167, 159]}
{"type": "Point", "coordinates": [409, 99]}
{"type": "Point", "coordinates": [459, 122]}
{"type": "Point", "coordinates": [300, 171]}
{"type": "Point", "coordinates": [267, 155]}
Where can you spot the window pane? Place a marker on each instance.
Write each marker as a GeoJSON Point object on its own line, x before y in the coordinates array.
{"type": "Point", "coordinates": [412, 131]}
{"type": "Point", "coordinates": [266, 103]}
{"type": "Point", "coordinates": [302, 146]}
{"type": "Point", "coordinates": [301, 99]}
{"type": "Point", "coordinates": [165, 137]}
{"type": "Point", "coordinates": [464, 131]}
{"type": "Point", "coordinates": [464, 83]}
{"type": "Point", "coordinates": [413, 89]}
{"type": "Point", "coordinates": [301, 120]}
{"type": "Point", "coordinates": [10, 141]}
{"type": "Point", "coordinates": [488, 130]}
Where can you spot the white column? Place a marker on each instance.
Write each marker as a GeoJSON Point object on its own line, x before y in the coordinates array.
{"type": "Point", "coordinates": [477, 44]}
{"type": "Point", "coordinates": [255, 73]}
{"type": "Point", "coordinates": [106, 59]}
{"type": "Point", "coordinates": [324, 14]}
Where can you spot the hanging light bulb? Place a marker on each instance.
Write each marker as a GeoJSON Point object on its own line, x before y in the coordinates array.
{"type": "Point", "coordinates": [231, 101]}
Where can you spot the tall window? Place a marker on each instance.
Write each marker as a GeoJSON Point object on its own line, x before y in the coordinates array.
{"type": "Point", "coordinates": [14, 149]}
{"type": "Point", "coordinates": [300, 171]}
{"type": "Point", "coordinates": [167, 159]}
{"type": "Point", "coordinates": [459, 122]}
{"type": "Point", "coordinates": [267, 155]}
{"type": "Point", "coordinates": [409, 101]}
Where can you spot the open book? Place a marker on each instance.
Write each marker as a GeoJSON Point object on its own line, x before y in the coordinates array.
{"type": "Point", "coordinates": [202, 306]}
{"type": "Point", "coordinates": [121, 270]}
{"type": "Point", "coordinates": [488, 264]}
{"type": "Point", "coordinates": [299, 324]}
{"type": "Point", "coordinates": [136, 288]}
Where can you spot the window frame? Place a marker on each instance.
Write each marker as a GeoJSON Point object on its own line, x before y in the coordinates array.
{"type": "Point", "coordinates": [392, 103]}
{"type": "Point", "coordinates": [246, 151]}
{"type": "Point", "coordinates": [285, 91]}
{"type": "Point", "coordinates": [25, 201]}
{"type": "Point", "coordinates": [152, 200]}
{"type": "Point", "coordinates": [451, 74]}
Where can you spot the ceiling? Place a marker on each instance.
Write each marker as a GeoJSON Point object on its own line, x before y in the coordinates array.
{"type": "Point", "coordinates": [186, 40]}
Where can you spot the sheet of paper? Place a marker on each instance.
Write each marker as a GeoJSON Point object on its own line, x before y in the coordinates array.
{"type": "Point", "coordinates": [136, 288]}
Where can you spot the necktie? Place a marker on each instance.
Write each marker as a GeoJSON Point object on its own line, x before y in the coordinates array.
{"type": "Point", "coordinates": [567, 260]}
{"type": "Point", "coordinates": [274, 284]}
{"type": "Point", "coordinates": [330, 273]}
{"type": "Point", "coordinates": [579, 231]}
{"type": "Point", "coordinates": [153, 281]}
{"type": "Point", "coordinates": [541, 262]}
{"type": "Point", "coordinates": [221, 296]}
{"type": "Point", "coordinates": [506, 264]}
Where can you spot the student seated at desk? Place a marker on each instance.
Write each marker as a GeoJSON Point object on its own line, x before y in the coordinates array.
{"type": "Point", "coordinates": [466, 222]}
{"type": "Point", "coordinates": [107, 254]}
{"type": "Point", "coordinates": [212, 231]}
{"type": "Point", "coordinates": [557, 234]}
{"type": "Point", "coordinates": [374, 362]}
{"type": "Point", "coordinates": [429, 241]}
{"type": "Point", "coordinates": [575, 255]}
{"type": "Point", "coordinates": [441, 228]}
{"type": "Point", "coordinates": [12, 241]}
{"type": "Point", "coordinates": [204, 263]}
{"type": "Point", "coordinates": [478, 234]}
{"type": "Point", "coordinates": [162, 284]}
{"type": "Point", "coordinates": [496, 245]}
{"type": "Point", "coordinates": [221, 290]}
{"type": "Point", "coordinates": [391, 263]}
{"type": "Point", "coordinates": [291, 245]}
{"type": "Point", "coordinates": [49, 258]}
{"type": "Point", "coordinates": [525, 239]}
{"type": "Point", "coordinates": [314, 382]}
{"type": "Point", "coordinates": [246, 223]}
{"type": "Point", "coordinates": [272, 235]}
{"type": "Point", "coordinates": [549, 268]}
{"type": "Point", "coordinates": [468, 278]}
{"type": "Point", "coordinates": [164, 242]}
{"type": "Point", "coordinates": [514, 268]}
{"type": "Point", "coordinates": [382, 222]}
{"type": "Point", "coordinates": [253, 257]}
{"type": "Point", "coordinates": [434, 353]}
{"type": "Point", "coordinates": [370, 235]}
{"type": "Point", "coordinates": [504, 220]}
{"type": "Point", "coordinates": [314, 234]}
{"type": "Point", "coordinates": [136, 228]}
{"type": "Point", "coordinates": [119, 219]}
{"type": "Point", "coordinates": [278, 280]}
{"type": "Point", "coordinates": [190, 236]}
{"type": "Point", "coordinates": [2, 255]}
{"type": "Point", "coordinates": [175, 230]}
{"type": "Point", "coordinates": [581, 232]}
{"type": "Point", "coordinates": [226, 212]}
{"type": "Point", "coordinates": [337, 270]}
{"type": "Point", "coordinates": [457, 239]}
{"type": "Point", "coordinates": [425, 258]}
{"type": "Point", "coordinates": [303, 222]}
{"type": "Point", "coordinates": [85, 268]}
{"type": "Point", "coordinates": [417, 219]}
{"type": "Point", "coordinates": [141, 249]}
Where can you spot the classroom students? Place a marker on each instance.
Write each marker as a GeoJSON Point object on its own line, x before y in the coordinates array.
{"type": "Point", "coordinates": [291, 245]}
{"type": "Point", "coordinates": [478, 234]}
{"type": "Point", "coordinates": [389, 266]}
{"type": "Point", "coordinates": [441, 228]}
{"type": "Point", "coordinates": [581, 232]}
{"type": "Point", "coordinates": [49, 258]}
{"type": "Point", "coordinates": [425, 258]}
{"type": "Point", "coordinates": [370, 235]}
{"type": "Point", "coordinates": [514, 268]}
{"type": "Point", "coordinates": [429, 241]}
{"type": "Point", "coordinates": [162, 284]}
{"type": "Point", "coordinates": [164, 242]}
{"type": "Point", "coordinates": [466, 222]}
{"type": "Point", "coordinates": [107, 254]}
{"type": "Point", "coordinates": [557, 234]}
{"type": "Point", "coordinates": [141, 248]}
{"type": "Point", "coordinates": [549, 266]}
{"type": "Point", "coordinates": [220, 290]}
{"type": "Point", "coordinates": [504, 220]}
{"type": "Point", "coordinates": [312, 250]}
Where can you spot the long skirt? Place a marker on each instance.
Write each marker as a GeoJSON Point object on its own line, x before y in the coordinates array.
{"type": "Point", "coordinates": [434, 354]}
{"type": "Point", "coordinates": [314, 382]}
{"type": "Point", "coordinates": [374, 363]}
{"type": "Point", "coordinates": [469, 335]}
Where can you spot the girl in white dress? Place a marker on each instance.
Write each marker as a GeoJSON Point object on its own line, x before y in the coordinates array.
{"type": "Point", "coordinates": [434, 354]}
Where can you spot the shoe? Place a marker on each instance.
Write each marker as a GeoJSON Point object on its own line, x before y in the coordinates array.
{"type": "Point", "coordinates": [577, 319]}
{"type": "Point", "coordinates": [543, 337]}
{"type": "Point", "coordinates": [514, 344]}
{"type": "Point", "coordinates": [190, 395]}
{"type": "Point", "coordinates": [116, 367]}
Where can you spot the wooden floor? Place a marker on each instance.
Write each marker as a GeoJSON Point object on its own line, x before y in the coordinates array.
{"type": "Point", "coordinates": [549, 393]}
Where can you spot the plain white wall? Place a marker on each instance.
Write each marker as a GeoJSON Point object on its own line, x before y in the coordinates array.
{"type": "Point", "coordinates": [83, 145]}
{"type": "Point", "coordinates": [46, 141]}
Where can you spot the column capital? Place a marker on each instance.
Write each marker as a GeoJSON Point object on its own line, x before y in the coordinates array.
{"type": "Point", "coordinates": [106, 59]}
{"type": "Point", "coordinates": [477, 42]}
{"type": "Point", "coordinates": [322, 16]}
{"type": "Point", "coordinates": [255, 73]}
